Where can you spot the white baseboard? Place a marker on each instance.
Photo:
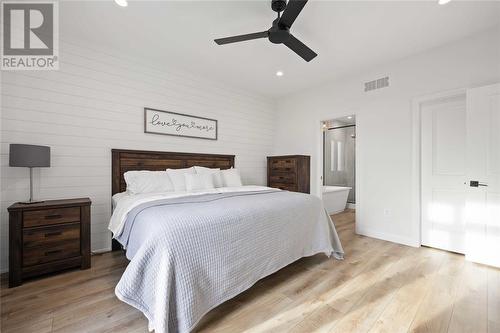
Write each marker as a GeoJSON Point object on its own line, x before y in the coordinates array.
{"type": "Point", "coordinates": [100, 251]}
{"type": "Point", "coordinates": [387, 237]}
{"type": "Point", "coordinates": [351, 206]}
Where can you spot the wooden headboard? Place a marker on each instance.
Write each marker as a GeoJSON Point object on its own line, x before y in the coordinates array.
{"type": "Point", "coordinates": [127, 160]}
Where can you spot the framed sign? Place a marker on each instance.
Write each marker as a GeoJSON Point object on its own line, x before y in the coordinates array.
{"type": "Point", "coordinates": [178, 124]}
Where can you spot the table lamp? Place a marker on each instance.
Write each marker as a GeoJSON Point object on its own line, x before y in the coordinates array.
{"type": "Point", "coordinates": [29, 156]}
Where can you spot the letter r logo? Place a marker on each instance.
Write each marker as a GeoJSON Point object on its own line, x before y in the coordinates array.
{"type": "Point", "coordinates": [28, 29]}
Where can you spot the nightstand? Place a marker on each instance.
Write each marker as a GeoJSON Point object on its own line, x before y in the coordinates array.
{"type": "Point", "coordinates": [47, 237]}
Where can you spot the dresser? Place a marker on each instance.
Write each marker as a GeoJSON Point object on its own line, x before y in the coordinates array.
{"type": "Point", "coordinates": [291, 172]}
{"type": "Point", "coordinates": [49, 236]}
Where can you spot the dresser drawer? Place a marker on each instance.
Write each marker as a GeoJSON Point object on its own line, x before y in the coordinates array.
{"type": "Point", "coordinates": [48, 236]}
{"type": "Point", "coordinates": [56, 251]}
{"type": "Point", "coordinates": [50, 216]}
{"type": "Point", "coordinates": [288, 178]}
{"type": "Point", "coordinates": [283, 186]}
{"type": "Point", "coordinates": [283, 165]}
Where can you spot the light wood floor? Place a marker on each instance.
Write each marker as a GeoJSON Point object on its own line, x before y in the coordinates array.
{"type": "Point", "coordinates": [380, 287]}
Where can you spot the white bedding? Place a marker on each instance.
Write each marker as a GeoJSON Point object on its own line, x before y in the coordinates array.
{"type": "Point", "coordinates": [124, 202]}
{"type": "Point", "coordinates": [190, 252]}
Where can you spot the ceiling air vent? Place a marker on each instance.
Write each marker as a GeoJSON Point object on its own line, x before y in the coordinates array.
{"type": "Point", "coordinates": [377, 84]}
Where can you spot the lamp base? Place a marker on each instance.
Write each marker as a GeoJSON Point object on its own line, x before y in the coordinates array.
{"type": "Point", "coordinates": [29, 202]}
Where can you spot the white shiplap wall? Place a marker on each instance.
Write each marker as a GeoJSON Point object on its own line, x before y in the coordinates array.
{"type": "Point", "coordinates": [95, 103]}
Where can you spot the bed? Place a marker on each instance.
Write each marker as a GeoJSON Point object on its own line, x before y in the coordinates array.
{"type": "Point", "coordinates": [190, 252]}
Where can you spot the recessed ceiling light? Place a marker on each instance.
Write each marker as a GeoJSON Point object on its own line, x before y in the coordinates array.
{"type": "Point", "coordinates": [350, 117]}
{"type": "Point", "coordinates": [279, 73]}
{"type": "Point", "coordinates": [443, 2]}
{"type": "Point", "coordinates": [121, 3]}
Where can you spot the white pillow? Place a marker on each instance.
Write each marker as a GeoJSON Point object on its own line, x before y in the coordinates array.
{"type": "Point", "coordinates": [215, 172]}
{"type": "Point", "coordinates": [117, 197]}
{"type": "Point", "coordinates": [177, 177]}
{"type": "Point", "coordinates": [231, 178]}
{"type": "Point", "coordinates": [147, 181]}
{"type": "Point", "coordinates": [198, 182]}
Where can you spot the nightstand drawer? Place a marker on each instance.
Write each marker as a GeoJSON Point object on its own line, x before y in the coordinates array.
{"type": "Point", "coordinates": [50, 216]}
{"type": "Point", "coordinates": [42, 254]}
{"type": "Point", "coordinates": [47, 236]}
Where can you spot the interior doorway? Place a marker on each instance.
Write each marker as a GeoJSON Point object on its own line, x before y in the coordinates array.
{"type": "Point", "coordinates": [443, 172]}
{"type": "Point", "coordinates": [460, 173]}
{"type": "Point", "coordinates": [339, 164]}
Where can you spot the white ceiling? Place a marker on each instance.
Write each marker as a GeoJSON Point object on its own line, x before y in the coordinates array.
{"type": "Point", "coordinates": [348, 35]}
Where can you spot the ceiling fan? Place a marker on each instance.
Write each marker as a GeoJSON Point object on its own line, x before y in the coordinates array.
{"type": "Point", "coordinates": [279, 33]}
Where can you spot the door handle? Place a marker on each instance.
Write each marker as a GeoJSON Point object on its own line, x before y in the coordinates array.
{"type": "Point", "coordinates": [475, 183]}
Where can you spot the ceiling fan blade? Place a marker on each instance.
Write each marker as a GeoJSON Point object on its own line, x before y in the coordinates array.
{"type": "Point", "coordinates": [300, 48]}
{"type": "Point", "coordinates": [241, 38]}
{"type": "Point", "coordinates": [292, 10]}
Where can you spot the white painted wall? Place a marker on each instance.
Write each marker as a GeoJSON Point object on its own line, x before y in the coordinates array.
{"type": "Point", "coordinates": [95, 103]}
{"type": "Point", "coordinates": [384, 126]}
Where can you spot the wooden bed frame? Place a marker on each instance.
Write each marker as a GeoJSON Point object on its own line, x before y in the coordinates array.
{"type": "Point", "coordinates": [128, 160]}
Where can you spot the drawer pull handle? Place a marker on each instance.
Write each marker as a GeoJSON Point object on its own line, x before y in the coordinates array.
{"type": "Point", "coordinates": [48, 253]}
{"type": "Point", "coordinates": [55, 233]}
{"type": "Point", "coordinates": [53, 216]}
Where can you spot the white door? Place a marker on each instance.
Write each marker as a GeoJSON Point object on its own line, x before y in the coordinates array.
{"type": "Point", "coordinates": [443, 173]}
{"type": "Point", "coordinates": [483, 168]}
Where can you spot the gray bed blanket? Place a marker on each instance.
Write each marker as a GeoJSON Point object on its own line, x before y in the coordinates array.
{"type": "Point", "coordinates": [190, 254]}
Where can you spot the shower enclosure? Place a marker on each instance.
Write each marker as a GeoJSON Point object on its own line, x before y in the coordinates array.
{"type": "Point", "coordinates": [339, 140]}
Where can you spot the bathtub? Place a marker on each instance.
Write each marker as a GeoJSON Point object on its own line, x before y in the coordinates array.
{"type": "Point", "coordinates": [335, 198]}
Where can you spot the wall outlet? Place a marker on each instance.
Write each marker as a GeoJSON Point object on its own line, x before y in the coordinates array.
{"type": "Point", "coordinates": [387, 212]}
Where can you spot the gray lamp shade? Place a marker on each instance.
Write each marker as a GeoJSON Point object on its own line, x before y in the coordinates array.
{"type": "Point", "coordinates": [29, 156]}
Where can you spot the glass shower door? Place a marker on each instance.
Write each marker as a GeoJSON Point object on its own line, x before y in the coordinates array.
{"type": "Point", "coordinates": [339, 158]}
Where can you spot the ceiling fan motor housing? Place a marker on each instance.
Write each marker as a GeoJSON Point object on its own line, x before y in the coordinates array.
{"type": "Point", "coordinates": [278, 5]}
{"type": "Point", "coordinates": [278, 34]}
